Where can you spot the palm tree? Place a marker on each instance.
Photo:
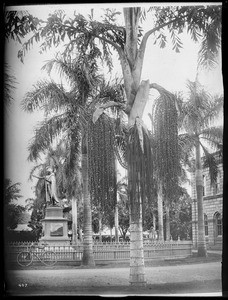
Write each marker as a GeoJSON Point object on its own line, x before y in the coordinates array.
{"type": "Point", "coordinates": [69, 123]}
{"type": "Point", "coordinates": [74, 124]}
{"type": "Point", "coordinates": [196, 116]}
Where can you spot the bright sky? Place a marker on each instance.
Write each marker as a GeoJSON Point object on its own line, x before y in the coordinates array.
{"type": "Point", "coordinates": [163, 66]}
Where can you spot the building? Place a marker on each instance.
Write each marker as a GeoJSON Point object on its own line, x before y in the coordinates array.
{"type": "Point", "coordinates": [212, 205]}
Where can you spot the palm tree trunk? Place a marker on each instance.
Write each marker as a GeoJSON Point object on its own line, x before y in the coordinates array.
{"type": "Point", "coordinates": [110, 233]}
{"type": "Point", "coordinates": [100, 227]}
{"type": "Point", "coordinates": [75, 221]}
{"type": "Point", "coordinates": [116, 224]}
{"type": "Point", "coordinates": [88, 257]}
{"type": "Point", "coordinates": [160, 214]}
{"type": "Point", "coordinates": [201, 243]}
{"type": "Point", "coordinates": [137, 267]}
{"type": "Point", "coordinates": [154, 223]}
{"type": "Point", "coordinates": [80, 235]}
{"type": "Point", "coordinates": [167, 222]}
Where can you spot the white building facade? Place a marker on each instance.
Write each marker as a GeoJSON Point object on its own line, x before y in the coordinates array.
{"type": "Point", "coordinates": [213, 208]}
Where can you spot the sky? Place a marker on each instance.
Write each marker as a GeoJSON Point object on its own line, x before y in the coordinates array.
{"type": "Point", "coordinates": [163, 66]}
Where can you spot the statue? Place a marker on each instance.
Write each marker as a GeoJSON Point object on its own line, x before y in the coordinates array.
{"type": "Point", "coordinates": [152, 233]}
{"type": "Point", "coordinates": [50, 187]}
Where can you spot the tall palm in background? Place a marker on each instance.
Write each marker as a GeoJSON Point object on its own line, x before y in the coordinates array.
{"type": "Point", "coordinates": [196, 117]}
{"type": "Point", "coordinates": [70, 119]}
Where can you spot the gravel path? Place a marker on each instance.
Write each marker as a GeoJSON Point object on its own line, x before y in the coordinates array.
{"type": "Point", "coordinates": [204, 278]}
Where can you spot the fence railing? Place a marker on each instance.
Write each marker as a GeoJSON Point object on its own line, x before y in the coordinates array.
{"type": "Point", "coordinates": [108, 251]}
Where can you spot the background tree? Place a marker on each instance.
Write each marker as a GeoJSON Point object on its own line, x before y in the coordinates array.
{"type": "Point", "coordinates": [196, 116]}
{"type": "Point", "coordinates": [180, 217]}
{"type": "Point", "coordinates": [17, 24]}
{"type": "Point", "coordinates": [124, 217]}
{"type": "Point", "coordinates": [38, 213]}
{"type": "Point", "coordinates": [90, 144]}
{"type": "Point", "coordinates": [12, 211]}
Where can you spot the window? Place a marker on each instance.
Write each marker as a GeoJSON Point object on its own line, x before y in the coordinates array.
{"type": "Point", "coordinates": [219, 182]}
{"type": "Point", "coordinates": [218, 223]}
{"type": "Point", "coordinates": [217, 185]}
{"type": "Point", "coordinates": [206, 224]}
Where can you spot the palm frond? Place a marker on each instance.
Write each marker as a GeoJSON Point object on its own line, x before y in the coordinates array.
{"type": "Point", "coordinates": [199, 110]}
{"type": "Point", "coordinates": [79, 74]}
{"type": "Point", "coordinates": [63, 67]}
{"type": "Point", "coordinates": [211, 43]}
{"type": "Point", "coordinates": [215, 108]}
{"type": "Point", "coordinates": [45, 133]}
{"type": "Point", "coordinates": [9, 85]}
{"type": "Point", "coordinates": [183, 178]}
{"type": "Point", "coordinates": [199, 99]}
{"type": "Point", "coordinates": [209, 161]}
{"type": "Point", "coordinates": [45, 95]}
{"type": "Point", "coordinates": [186, 144]}
{"type": "Point", "coordinates": [213, 136]}
{"type": "Point", "coordinates": [38, 167]}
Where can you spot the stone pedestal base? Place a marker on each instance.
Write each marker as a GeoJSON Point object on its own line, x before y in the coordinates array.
{"type": "Point", "coordinates": [55, 229]}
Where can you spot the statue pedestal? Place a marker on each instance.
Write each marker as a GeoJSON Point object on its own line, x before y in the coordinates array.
{"type": "Point", "coordinates": [55, 229]}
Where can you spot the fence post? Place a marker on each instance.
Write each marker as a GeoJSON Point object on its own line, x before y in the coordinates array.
{"type": "Point", "coordinates": [171, 249]}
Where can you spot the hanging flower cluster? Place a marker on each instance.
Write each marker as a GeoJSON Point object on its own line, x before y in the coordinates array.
{"type": "Point", "coordinates": [140, 169]}
{"type": "Point", "coordinates": [101, 158]}
{"type": "Point", "coordinates": [167, 161]}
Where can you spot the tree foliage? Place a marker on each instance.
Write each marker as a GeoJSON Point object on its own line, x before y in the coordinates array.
{"type": "Point", "coordinates": [9, 85]}
{"type": "Point", "coordinates": [196, 121]}
{"type": "Point", "coordinates": [70, 120]}
{"type": "Point", "coordinates": [180, 217]}
{"type": "Point", "coordinates": [12, 211]}
{"type": "Point", "coordinates": [82, 34]}
{"type": "Point", "coordinates": [202, 22]}
{"type": "Point", "coordinates": [18, 24]}
{"type": "Point", "coordinates": [38, 213]}
{"type": "Point", "coordinates": [124, 214]}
